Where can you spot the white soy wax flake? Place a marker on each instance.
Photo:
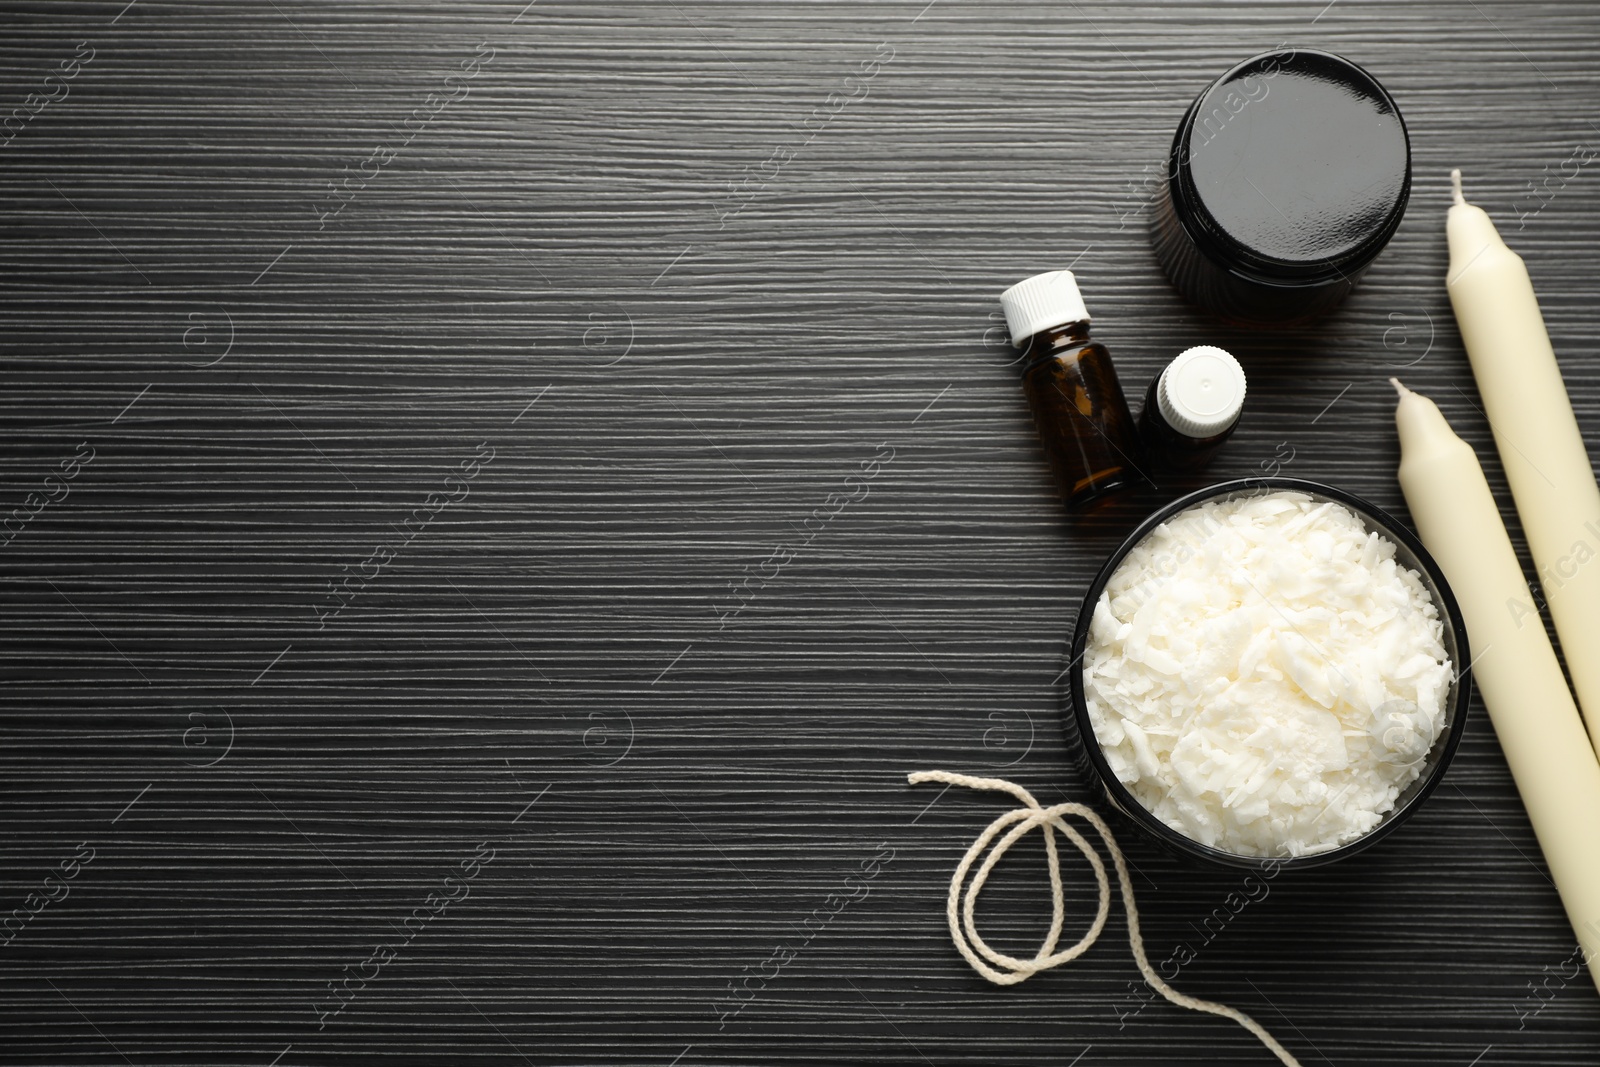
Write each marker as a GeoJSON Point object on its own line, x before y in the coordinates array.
{"type": "Point", "coordinates": [1264, 677]}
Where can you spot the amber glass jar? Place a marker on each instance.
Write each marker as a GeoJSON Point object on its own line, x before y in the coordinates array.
{"type": "Point", "coordinates": [1287, 177]}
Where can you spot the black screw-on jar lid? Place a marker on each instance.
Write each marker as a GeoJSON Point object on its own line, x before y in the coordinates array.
{"type": "Point", "coordinates": [1294, 167]}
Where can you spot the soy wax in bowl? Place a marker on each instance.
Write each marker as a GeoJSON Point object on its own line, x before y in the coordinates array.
{"type": "Point", "coordinates": [1268, 670]}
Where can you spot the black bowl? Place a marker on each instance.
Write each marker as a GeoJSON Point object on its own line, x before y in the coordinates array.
{"type": "Point", "coordinates": [1081, 741]}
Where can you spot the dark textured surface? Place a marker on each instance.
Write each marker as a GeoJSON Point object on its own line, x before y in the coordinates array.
{"type": "Point", "coordinates": [269, 390]}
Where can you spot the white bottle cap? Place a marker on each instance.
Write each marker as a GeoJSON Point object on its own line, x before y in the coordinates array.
{"type": "Point", "coordinates": [1201, 392]}
{"type": "Point", "coordinates": [1040, 302]}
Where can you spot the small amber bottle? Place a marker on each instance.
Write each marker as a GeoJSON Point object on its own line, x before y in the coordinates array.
{"type": "Point", "coordinates": [1191, 408]}
{"type": "Point", "coordinates": [1072, 389]}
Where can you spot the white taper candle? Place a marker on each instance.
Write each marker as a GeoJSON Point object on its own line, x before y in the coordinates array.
{"type": "Point", "coordinates": [1537, 434]}
{"type": "Point", "coordinates": [1514, 667]}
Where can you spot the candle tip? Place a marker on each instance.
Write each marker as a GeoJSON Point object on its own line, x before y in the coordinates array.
{"type": "Point", "coordinates": [1399, 387]}
{"type": "Point", "coordinates": [1455, 186]}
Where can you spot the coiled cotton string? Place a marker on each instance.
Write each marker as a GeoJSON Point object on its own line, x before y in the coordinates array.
{"type": "Point", "coordinates": [964, 931]}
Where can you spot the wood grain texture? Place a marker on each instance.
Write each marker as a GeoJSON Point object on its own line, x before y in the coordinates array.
{"type": "Point", "coordinates": [550, 270]}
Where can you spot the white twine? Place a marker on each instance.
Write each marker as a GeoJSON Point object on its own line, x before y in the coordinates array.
{"type": "Point", "coordinates": [964, 932]}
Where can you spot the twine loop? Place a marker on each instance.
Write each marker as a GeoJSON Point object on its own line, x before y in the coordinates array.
{"type": "Point", "coordinates": [1010, 828]}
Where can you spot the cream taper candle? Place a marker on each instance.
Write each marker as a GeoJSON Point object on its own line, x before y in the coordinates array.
{"type": "Point", "coordinates": [1515, 667]}
{"type": "Point", "coordinates": [1540, 447]}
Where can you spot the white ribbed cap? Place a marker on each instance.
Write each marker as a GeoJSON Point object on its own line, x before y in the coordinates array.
{"type": "Point", "coordinates": [1201, 392]}
{"type": "Point", "coordinates": [1040, 302]}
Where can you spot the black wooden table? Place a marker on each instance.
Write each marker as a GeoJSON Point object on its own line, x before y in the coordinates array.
{"type": "Point", "coordinates": [508, 492]}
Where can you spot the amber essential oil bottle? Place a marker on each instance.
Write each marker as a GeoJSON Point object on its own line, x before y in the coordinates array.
{"type": "Point", "coordinates": [1191, 408]}
{"type": "Point", "coordinates": [1072, 389]}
